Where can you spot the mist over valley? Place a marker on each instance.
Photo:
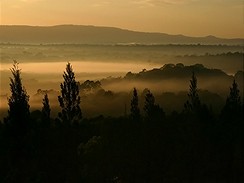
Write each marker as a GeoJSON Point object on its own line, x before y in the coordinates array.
{"type": "Point", "coordinates": [161, 68]}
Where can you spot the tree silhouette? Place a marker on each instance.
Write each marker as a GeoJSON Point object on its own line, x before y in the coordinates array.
{"type": "Point", "coordinates": [193, 103]}
{"type": "Point", "coordinates": [69, 100]}
{"type": "Point", "coordinates": [18, 113]}
{"type": "Point", "coordinates": [90, 86]}
{"type": "Point", "coordinates": [232, 106]}
{"type": "Point", "coordinates": [152, 111]}
{"type": "Point", "coordinates": [46, 110]}
{"type": "Point", "coordinates": [234, 99]}
{"type": "Point", "coordinates": [135, 111]}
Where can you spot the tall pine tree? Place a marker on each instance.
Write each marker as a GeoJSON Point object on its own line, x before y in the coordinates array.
{"type": "Point", "coordinates": [69, 99]}
{"type": "Point", "coordinates": [46, 111]}
{"type": "Point", "coordinates": [153, 111]}
{"type": "Point", "coordinates": [233, 109]}
{"type": "Point", "coordinates": [193, 103]}
{"type": "Point", "coordinates": [134, 110]}
{"type": "Point", "coordinates": [18, 113]}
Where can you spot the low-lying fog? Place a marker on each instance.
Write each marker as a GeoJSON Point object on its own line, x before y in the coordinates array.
{"type": "Point", "coordinates": [42, 67]}
{"type": "Point", "coordinates": [49, 75]}
{"type": "Point", "coordinates": [115, 96]}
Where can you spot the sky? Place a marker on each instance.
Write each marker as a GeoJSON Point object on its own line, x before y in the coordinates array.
{"type": "Point", "coordinates": [221, 18]}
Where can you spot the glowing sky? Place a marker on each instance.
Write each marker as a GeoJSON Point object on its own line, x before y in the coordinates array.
{"type": "Point", "coordinates": [222, 18]}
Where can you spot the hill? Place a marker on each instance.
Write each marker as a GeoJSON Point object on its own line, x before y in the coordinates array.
{"type": "Point", "coordinates": [175, 71]}
{"type": "Point", "coordinates": [81, 34]}
{"type": "Point", "coordinates": [169, 71]}
{"type": "Point", "coordinates": [175, 77]}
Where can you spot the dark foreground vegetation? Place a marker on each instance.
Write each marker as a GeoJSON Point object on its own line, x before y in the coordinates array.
{"type": "Point", "coordinates": [143, 146]}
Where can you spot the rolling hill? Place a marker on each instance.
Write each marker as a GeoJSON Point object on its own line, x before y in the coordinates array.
{"type": "Point", "coordinates": [82, 34]}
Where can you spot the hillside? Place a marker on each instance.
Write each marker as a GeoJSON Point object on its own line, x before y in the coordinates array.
{"type": "Point", "coordinates": [169, 71]}
{"type": "Point", "coordinates": [80, 34]}
{"type": "Point", "coordinates": [175, 77]}
{"type": "Point", "coordinates": [176, 71]}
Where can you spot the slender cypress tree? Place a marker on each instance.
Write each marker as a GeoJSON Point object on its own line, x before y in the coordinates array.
{"type": "Point", "coordinates": [233, 101]}
{"type": "Point", "coordinates": [18, 113]}
{"type": "Point", "coordinates": [153, 112]}
{"type": "Point", "coordinates": [135, 111]}
{"type": "Point", "coordinates": [233, 108]}
{"type": "Point", "coordinates": [69, 99]}
{"type": "Point", "coordinates": [149, 104]}
{"type": "Point", "coordinates": [46, 111]}
{"type": "Point", "coordinates": [193, 103]}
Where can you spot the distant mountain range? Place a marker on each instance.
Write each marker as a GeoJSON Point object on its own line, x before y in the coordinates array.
{"type": "Point", "coordinates": [81, 34]}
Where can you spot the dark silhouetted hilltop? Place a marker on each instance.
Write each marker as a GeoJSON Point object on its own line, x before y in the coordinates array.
{"type": "Point", "coordinates": [177, 71]}
{"type": "Point", "coordinates": [175, 78]}
{"type": "Point", "coordinates": [81, 34]}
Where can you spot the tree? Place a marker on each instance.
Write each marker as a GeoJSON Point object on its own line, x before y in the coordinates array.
{"type": "Point", "coordinates": [149, 104]}
{"type": "Point", "coordinates": [135, 111]}
{"type": "Point", "coordinates": [153, 112]}
{"type": "Point", "coordinates": [18, 113]}
{"type": "Point", "coordinates": [233, 107]}
{"type": "Point", "coordinates": [193, 103]}
{"type": "Point", "coordinates": [69, 100]}
{"type": "Point", "coordinates": [90, 86]}
{"type": "Point", "coordinates": [46, 111]}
